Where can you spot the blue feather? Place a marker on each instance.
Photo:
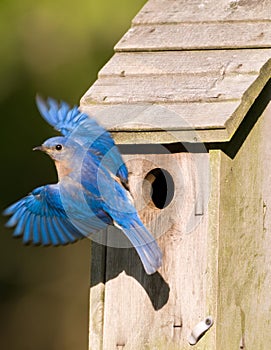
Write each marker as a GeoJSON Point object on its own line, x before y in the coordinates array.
{"type": "Point", "coordinates": [27, 237]}
{"type": "Point", "coordinates": [21, 224]}
{"type": "Point", "coordinates": [36, 230]}
{"type": "Point", "coordinates": [43, 231]}
{"type": "Point", "coordinates": [144, 244]}
{"type": "Point", "coordinates": [44, 110]}
{"type": "Point", "coordinates": [15, 217]}
{"type": "Point", "coordinates": [60, 233]}
{"type": "Point", "coordinates": [86, 131]}
{"type": "Point", "coordinates": [12, 208]}
{"type": "Point", "coordinates": [71, 232]}
{"type": "Point", "coordinates": [53, 110]}
{"type": "Point", "coordinates": [52, 230]}
{"type": "Point", "coordinates": [91, 192]}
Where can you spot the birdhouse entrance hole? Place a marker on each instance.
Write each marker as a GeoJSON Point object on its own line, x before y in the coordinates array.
{"type": "Point", "coordinates": [158, 188]}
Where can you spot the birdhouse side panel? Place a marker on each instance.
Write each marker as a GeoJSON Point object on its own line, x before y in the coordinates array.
{"type": "Point", "coordinates": [244, 302]}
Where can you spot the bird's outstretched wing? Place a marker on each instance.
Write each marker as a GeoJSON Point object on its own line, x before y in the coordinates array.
{"type": "Point", "coordinates": [41, 219]}
{"type": "Point", "coordinates": [85, 131]}
{"type": "Point", "coordinates": [63, 118]}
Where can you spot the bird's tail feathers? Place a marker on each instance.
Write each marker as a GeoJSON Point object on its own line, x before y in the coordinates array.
{"type": "Point", "coordinates": [145, 245]}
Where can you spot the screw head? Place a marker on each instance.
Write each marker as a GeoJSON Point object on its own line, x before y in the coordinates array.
{"type": "Point", "coordinates": [208, 321]}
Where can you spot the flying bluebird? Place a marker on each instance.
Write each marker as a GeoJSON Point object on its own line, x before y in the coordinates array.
{"type": "Point", "coordinates": [92, 190]}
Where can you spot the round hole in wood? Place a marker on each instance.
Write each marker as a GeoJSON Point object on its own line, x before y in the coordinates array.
{"type": "Point", "coordinates": [158, 188]}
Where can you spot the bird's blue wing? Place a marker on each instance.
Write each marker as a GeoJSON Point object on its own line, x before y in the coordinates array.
{"type": "Point", "coordinates": [85, 131]}
{"type": "Point", "coordinates": [40, 218]}
{"type": "Point", "coordinates": [60, 116]}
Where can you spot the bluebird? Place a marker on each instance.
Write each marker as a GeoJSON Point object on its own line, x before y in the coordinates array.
{"type": "Point", "coordinates": [92, 190]}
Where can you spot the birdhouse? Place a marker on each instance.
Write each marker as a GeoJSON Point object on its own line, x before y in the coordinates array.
{"type": "Point", "coordinates": [186, 97]}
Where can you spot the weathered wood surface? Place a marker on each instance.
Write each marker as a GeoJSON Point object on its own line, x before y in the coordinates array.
{"type": "Point", "coordinates": [96, 296]}
{"type": "Point", "coordinates": [178, 11]}
{"type": "Point", "coordinates": [169, 88]}
{"type": "Point", "coordinates": [159, 311]}
{"type": "Point", "coordinates": [190, 36]}
{"type": "Point", "coordinates": [183, 25]}
{"type": "Point", "coordinates": [221, 268]}
{"type": "Point", "coordinates": [165, 75]}
{"type": "Point", "coordinates": [246, 61]}
{"type": "Point", "coordinates": [201, 91]}
{"type": "Point", "coordinates": [243, 300]}
{"type": "Point", "coordinates": [265, 243]}
{"type": "Point", "coordinates": [146, 116]}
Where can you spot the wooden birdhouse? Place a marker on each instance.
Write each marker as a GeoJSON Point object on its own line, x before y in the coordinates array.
{"type": "Point", "coordinates": [187, 98]}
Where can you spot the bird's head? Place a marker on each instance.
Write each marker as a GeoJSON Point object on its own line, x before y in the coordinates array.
{"type": "Point", "coordinates": [58, 148]}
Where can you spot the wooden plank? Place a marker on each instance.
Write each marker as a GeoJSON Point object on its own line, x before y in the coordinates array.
{"type": "Point", "coordinates": [244, 263]}
{"type": "Point", "coordinates": [164, 137]}
{"type": "Point", "coordinates": [265, 271]}
{"type": "Point", "coordinates": [178, 11]}
{"type": "Point", "coordinates": [96, 296]}
{"type": "Point", "coordinates": [169, 89]}
{"type": "Point", "coordinates": [207, 100]}
{"type": "Point", "coordinates": [147, 123]}
{"type": "Point", "coordinates": [184, 116]}
{"type": "Point", "coordinates": [186, 62]}
{"type": "Point", "coordinates": [189, 36]}
{"type": "Point", "coordinates": [159, 311]}
{"type": "Point", "coordinates": [213, 237]}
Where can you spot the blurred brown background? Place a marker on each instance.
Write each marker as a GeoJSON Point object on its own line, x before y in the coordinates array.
{"type": "Point", "coordinates": [55, 48]}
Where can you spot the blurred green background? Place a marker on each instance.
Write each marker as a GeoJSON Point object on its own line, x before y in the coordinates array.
{"type": "Point", "coordinates": [55, 48]}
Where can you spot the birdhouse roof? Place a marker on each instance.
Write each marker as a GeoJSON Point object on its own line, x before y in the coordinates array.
{"type": "Point", "coordinates": [184, 68]}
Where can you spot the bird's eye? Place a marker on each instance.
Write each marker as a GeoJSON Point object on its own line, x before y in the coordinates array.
{"type": "Point", "coordinates": [58, 147]}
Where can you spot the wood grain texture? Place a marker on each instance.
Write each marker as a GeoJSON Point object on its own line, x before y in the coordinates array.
{"type": "Point", "coordinates": [244, 240]}
{"type": "Point", "coordinates": [140, 311]}
{"type": "Point", "coordinates": [265, 244]}
{"type": "Point", "coordinates": [216, 254]}
{"type": "Point", "coordinates": [247, 61]}
{"type": "Point", "coordinates": [189, 36]}
{"type": "Point", "coordinates": [178, 11]}
{"type": "Point", "coordinates": [199, 90]}
{"type": "Point", "coordinates": [213, 240]}
{"type": "Point", "coordinates": [96, 296]}
{"type": "Point", "coordinates": [184, 66]}
{"type": "Point", "coordinates": [169, 89]}
{"type": "Point", "coordinates": [185, 116]}
{"type": "Point", "coordinates": [165, 137]}
{"type": "Point", "coordinates": [216, 97]}
{"type": "Point", "coordinates": [216, 264]}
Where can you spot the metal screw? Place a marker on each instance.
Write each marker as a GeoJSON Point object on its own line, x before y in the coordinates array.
{"type": "Point", "coordinates": [208, 321]}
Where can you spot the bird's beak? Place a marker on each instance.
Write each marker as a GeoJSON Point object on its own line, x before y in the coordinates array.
{"type": "Point", "coordinates": [39, 148]}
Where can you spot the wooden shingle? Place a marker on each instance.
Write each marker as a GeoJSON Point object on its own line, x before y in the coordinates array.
{"type": "Point", "coordinates": [184, 67]}
{"type": "Point", "coordinates": [181, 11]}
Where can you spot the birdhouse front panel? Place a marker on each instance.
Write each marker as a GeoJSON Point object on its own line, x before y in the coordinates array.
{"type": "Point", "coordinates": [160, 311]}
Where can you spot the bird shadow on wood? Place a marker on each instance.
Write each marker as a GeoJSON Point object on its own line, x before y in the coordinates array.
{"type": "Point", "coordinates": [108, 263]}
